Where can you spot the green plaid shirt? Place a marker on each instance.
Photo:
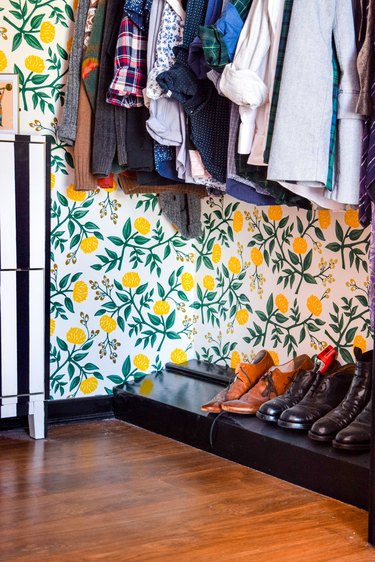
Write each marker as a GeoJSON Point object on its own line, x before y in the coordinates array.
{"type": "Point", "coordinates": [213, 44]}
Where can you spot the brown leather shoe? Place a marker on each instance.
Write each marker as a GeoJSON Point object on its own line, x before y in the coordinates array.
{"type": "Point", "coordinates": [247, 374]}
{"type": "Point", "coordinates": [275, 382]}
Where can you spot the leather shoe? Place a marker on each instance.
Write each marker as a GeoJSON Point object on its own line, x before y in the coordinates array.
{"type": "Point", "coordinates": [271, 411]}
{"type": "Point", "coordinates": [327, 427]}
{"type": "Point", "coordinates": [247, 374]}
{"type": "Point", "coordinates": [324, 395]}
{"type": "Point", "coordinates": [275, 382]}
{"type": "Point", "coordinates": [357, 436]}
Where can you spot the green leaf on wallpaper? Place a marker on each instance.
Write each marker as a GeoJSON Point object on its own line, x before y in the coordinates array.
{"type": "Point", "coordinates": [283, 222]}
{"type": "Point", "coordinates": [195, 305]}
{"type": "Point", "coordinates": [79, 214]}
{"type": "Point", "coordinates": [36, 21]}
{"type": "Point", "coordinates": [90, 367]}
{"type": "Point", "coordinates": [71, 370]}
{"type": "Point", "coordinates": [116, 379]}
{"type": "Point", "coordinates": [79, 356]}
{"type": "Point", "coordinates": [76, 276]}
{"type": "Point", "coordinates": [18, 71]}
{"type": "Point", "coordinates": [182, 296]}
{"type": "Point", "coordinates": [339, 232]}
{"type": "Point", "coordinates": [141, 289]}
{"type": "Point", "coordinates": [269, 305]}
{"type": "Point", "coordinates": [62, 52]}
{"type": "Point", "coordinates": [126, 366]}
{"type": "Point", "coordinates": [75, 382]}
{"type": "Point", "coordinates": [64, 281]}
{"type": "Point", "coordinates": [69, 12]}
{"type": "Point", "coordinates": [99, 313]}
{"type": "Point", "coordinates": [87, 345]}
{"type": "Point", "coordinates": [171, 279]}
{"type": "Point", "coordinates": [333, 246]}
{"type": "Point", "coordinates": [355, 234]}
{"type": "Point", "coordinates": [16, 14]}
{"type": "Point", "coordinates": [62, 345]}
{"type": "Point", "coordinates": [121, 323]}
{"type": "Point", "coordinates": [363, 300]}
{"type": "Point", "coordinates": [319, 234]}
{"type": "Point", "coordinates": [70, 162]}
{"type": "Point", "coordinates": [155, 320]}
{"type": "Point", "coordinates": [173, 336]}
{"type": "Point", "coordinates": [116, 240]}
{"type": "Point", "coordinates": [170, 320]}
{"type": "Point", "coordinates": [75, 240]}
{"type": "Point", "coordinates": [17, 40]}
{"type": "Point", "coordinates": [280, 318]}
{"type": "Point", "coordinates": [302, 335]}
{"type": "Point", "coordinates": [308, 260]}
{"type": "Point", "coordinates": [69, 304]}
{"type": "Point", "coordinates": [161, 290]}
{"type": "Point", "coordinates": [62, 200]}
{"type": "Point", "coordinates": [98, 234]}
{"type": "Point", "coordinates": [293, 258]}
{"type": "Point", "coordinates": [346, 355]}
{"type": "Point", "coordinates": [141, 240]}
{"type": "Point", "coordinates": [126, 231]}
{"type": "Point", "coordinates": [33, 41]}
{"type": "Point", "coordinates": [299, 225]}
{"type": "Point", "coordinates": [349, 336]}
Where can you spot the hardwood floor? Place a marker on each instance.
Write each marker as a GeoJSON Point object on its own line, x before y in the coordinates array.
{"type": "Point", "coordinates": [108, 491]}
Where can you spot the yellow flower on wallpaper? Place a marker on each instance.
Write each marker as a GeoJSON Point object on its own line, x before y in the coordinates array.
{"type": "Point", "coordinates": [237, 221]}
{"type": "Point", "coordinates": [275, 357]}
{"type": "Point", "coordinates": [351, 218]}
{"type": "Point", "coordinates": [178, 356]}
{"type": "Point", "coordinates": [89, 244]}
{"type": "Point", "coordinates": [324, 217]}
{"type": "Point", "coordinates": [80, 291]}
{"type": "Point", "coordinates": [216, 253]}
{"type": "Point", "coordinates": [282, 303]}
{"type": "Point", "coordinates": [52, 326]}
{"type": "Point", "coordinates": [3, 61]}
{"type": "Point", "coordinates": [47, 32]}
{"type": "Point", "coordinates": [108, 324]}
{"type": "Point", "coordinates": [234, 265]}
{"type": "Point", "coordinates": [53, 180]}
{"type": "Point", "coordinates": [74, 195]}
{"type": "Point", "coordinates": [208, 282]}
{"type": "Point", "coordinates": [275, 212]}
{"type": "Point", "coordinates": [35, 64]}
{"type": "Point", "coordinates": [131, 280]}
{"type": "Point", "coordinates": [161, 307]}
{"type": "Point", "coordinates": [242, 316]}
{"type": "Point", "coordinates": [187, 281]}
{"type": "Point", "coordinates": [142, 225]}
{"type": "Point", "coordinates": [359, 341]}
{"type": "Point", "coordinates": [141, 362]}
{"type": "Point", "coordinates": [235, 359]}
{"type": "Point", "coordinates": [256, 257]}
{"type": "Point", "coordinates": [88, 386]}
{"type": "Point", "coordinates": [314, 305]}
{"type": "Point", "coordinates": [300, 245]}
{"type": "Point", "coordinates": [76, 336]}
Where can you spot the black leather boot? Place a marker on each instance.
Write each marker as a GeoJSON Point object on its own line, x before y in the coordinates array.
{"type": "Point", "coordinates": [272, 410]}
{"type": "Point", "coordinates": [327, 427]}
{"type": "Point", "coordinates": [357, 436]}
{"type": "Point", "coordinates": [324, 395]}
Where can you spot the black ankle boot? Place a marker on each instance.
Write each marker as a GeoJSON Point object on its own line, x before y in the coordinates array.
{"type": "Point", "coordinates": [272, 410]}
{"type": "Point", "coordinates": [327, 427]}
{"type": "Point", "coordinates": [357, 436]}
{"type": "Point", "coordinates": [324, 395]}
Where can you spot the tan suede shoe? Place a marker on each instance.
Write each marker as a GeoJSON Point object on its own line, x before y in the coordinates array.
{"type": "Point", "coordinates": [275, 382]}
{"type": "Point", "coordinates": [247, 374]}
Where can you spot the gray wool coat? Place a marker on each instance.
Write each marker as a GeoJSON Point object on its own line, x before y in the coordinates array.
{"type": "Point", "coordinates": [301, 138]}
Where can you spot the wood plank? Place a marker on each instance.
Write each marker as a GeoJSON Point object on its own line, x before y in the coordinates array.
{"type": "Point", "coordinates": [111, 491]}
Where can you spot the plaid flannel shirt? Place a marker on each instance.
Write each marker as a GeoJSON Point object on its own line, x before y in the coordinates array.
{"type": "Point", "coordinates": [126, 89]}
{"type": "Point", "coordinates": [219, 40]}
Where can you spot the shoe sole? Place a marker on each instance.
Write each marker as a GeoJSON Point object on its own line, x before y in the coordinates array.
{"type": "Point", "coordinates": [265, 417]}
{"type": "Point", "coordinates": [321, 438]}
{"type": "Point", "coordinates": [291, 425]}
{"type": "Point", "coordinates": [353, 447]}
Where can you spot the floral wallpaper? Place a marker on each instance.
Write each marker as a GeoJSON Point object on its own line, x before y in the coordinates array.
{"type": "Point", "coordinates": [128, 293]}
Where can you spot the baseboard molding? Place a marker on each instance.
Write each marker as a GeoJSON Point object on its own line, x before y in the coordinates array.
{"type": "Point", "coordinates": [76, 409]}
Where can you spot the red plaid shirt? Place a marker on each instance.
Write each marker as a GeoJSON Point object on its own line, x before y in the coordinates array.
{"type": "Point", "coordinates": [130, 66]}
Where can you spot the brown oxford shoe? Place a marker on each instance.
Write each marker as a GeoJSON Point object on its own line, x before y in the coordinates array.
{"type": "Point", "coordinates": [275, 382]}
{"type": "Point", "coordinates": [247, 374]}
